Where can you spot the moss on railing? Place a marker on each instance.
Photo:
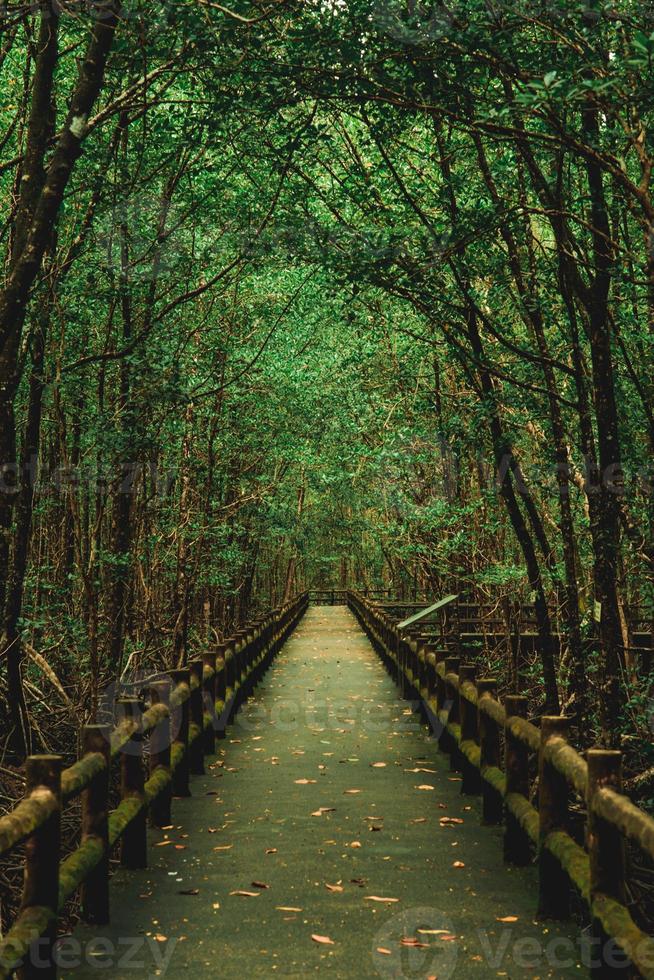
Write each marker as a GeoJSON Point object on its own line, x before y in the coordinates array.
{"type": "Point", "coordinates": [89, 777]}
{"type": "Point", "coordinates": [414, 668]}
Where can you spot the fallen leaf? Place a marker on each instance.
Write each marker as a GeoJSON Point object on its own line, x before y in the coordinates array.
{"type": "Point", "coordinates": [223, 847]}
{"type": "Point", "coordinates": [189, 891]}
{"type": "Point", "coordinates": [378, 898]}
{"type": "Point", "coordinates": [271, 850]}
{"type": "Point", "coordinates": [287, 908]}
{"type": "Point", "coordinates": [259, 884]}
{"type": "Point", "coordinates": [458, 864]}
{"type": "Point", "coordinates": [425, 786]}
{"type": "Point", "coordinates": [245, 894]}
{"type": "Point", "coordinates": [378, 765]}
{"type": "Point", "coordinates": [507, 918]}
{"type": "Point", "coordinates": [355, 843]}
{"type": "Point", "coordinates": [160, 939]}
{"type": "Point", "coordinates": [333, 888]}
{"type": "Point", "coordinates": [352, 792]}
{"type": "Point", "coordinates": [163, 843]}
{"type": "Point", "coordinates": [322, 939]}
{"type": "Point", "coordinates": [382, 949]}
{"type": "Point", "coordinates": [303, 782]}
{"type": "Point", "coordinates": [411, 941]}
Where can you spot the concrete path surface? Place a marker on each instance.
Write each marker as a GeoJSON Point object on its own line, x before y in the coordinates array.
{"type": "Point", "coordinates": [327, 836]}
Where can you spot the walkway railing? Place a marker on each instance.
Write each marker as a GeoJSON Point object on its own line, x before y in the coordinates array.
{"type": "Point", "coordinates": [492, 745]}
{"type": "Point", "coordinates": [186, 711]}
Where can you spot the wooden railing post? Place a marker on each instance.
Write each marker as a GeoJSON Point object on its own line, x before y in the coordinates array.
{"type": "Point", "coordinates": [209, 700]}
{"type": "Point", "coordinates": [553, 793]}
{"type": "Point", "coordinates": [196, 743]}
{"type": "Point", "coordinates": [41, 875]}
{"type": "Point", "coordinates": [606, 853]}
{"type": "Point", "coordinates": [222, 683]}
{"type": "Point", "coordinates": [95, 824]}
{"type": "Point", "coordinates": [517, 848]}
{"type": "Point", "coordinates": [230, 669]}
{"type": "Point", "coordinates": [133, 851]}
{"type": "Point", "coordinates": [180, 727]}
{"type": "Point", "coordinates": [239, 654]}
{"type": "Point", "coordinates": [452, 695]}
{"type": "Point", "coordinates": [470, 783]}
{"type": "Point", "coordinates": [160, 754]}
{"type": "Point", "coordinates": [490, 754]}
{"type": "Point", "coordinates": [441, 697]}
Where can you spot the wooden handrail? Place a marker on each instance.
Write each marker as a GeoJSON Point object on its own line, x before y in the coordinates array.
{"type": "Point", "coordinates": [227, 676]}
{"type": "Point", "coordinates": [597, 869]}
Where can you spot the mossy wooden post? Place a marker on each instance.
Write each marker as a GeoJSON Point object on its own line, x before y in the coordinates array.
{"type": "Point", "coordinates": [553, 793]}
{"type": "Point", "coordinates": [228, 655]}
{"type": "Point", "coordinates": [396, 644]}
{"type": "Point", "coordinates": [412, 666]}
{"type": "Point", "coordinates": [431, 658]}
{"type": "Point", "coordinates": [133, 849]}
{"type": "Point", "coordinates": [423, 650]}
{"type": "Point", "coordinates": [441, 704]}
{"type": "Point", "coordinates": [255, 652]}
{"type": "Point", "coordinates": [490, 753]}
{"type": "Point", "coordinates": [209, 700]}
{"type": "Point", "coordinates": [95, 824]}
{"type": "Point", "coordinates": [221, 689]}
{"type": "Point", "coordinates": [470, 783]}
{"type": "Point", "coordinates": [517, 848]}
{"type": "Point", "coordinates": [243, 662]}
{"type": "Point", "coordinates": [160, 815]}
{"type": "Point", "coordinates": [41, 874]}
{"type": "Point", "coordinates": [196, 720]}
{"type": "Point", "coordinates": [452, 696]}
{"type": "Point", "coordinates": [232, 677]}
{"type": "Point", "coordinates": [606, 853]}
{"type": "Point", "coordinates": [404, 666]}
{"type": "Point", "coordinates": [239, 660]}
{"type": "Point", "coordinates": [430, 680]}
{"type": "Point", "coordinates": [180, 727]}
{"type": "Point", "coordinates": [270, 630]}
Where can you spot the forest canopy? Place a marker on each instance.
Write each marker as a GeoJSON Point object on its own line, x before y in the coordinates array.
{"type": "Point", "coordinates": [324, 295]}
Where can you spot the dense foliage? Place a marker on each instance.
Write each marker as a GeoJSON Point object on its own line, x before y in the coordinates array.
{"type": "Point", "coordinates": [323, 294]}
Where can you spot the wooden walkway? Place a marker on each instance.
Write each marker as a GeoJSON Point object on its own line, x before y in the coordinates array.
{"type": "Point", "coordinates": [327, 814]}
